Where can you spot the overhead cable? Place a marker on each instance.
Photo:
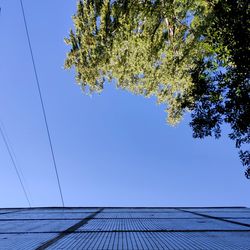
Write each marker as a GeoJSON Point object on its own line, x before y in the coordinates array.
{"type": "Point", "coordinates": [42, 102]}
{"type": "Point", "coordinates": [14, 163]}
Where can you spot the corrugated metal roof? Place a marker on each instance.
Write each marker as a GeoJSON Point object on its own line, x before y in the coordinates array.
{"type": "Point", "coordinates": [125, 228]}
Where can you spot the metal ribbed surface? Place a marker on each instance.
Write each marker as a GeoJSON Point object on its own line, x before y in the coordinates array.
{"type": "Point", "coordinates": [235, 214]}
{"type": "Point", "coordinates": [140, 210]}
{"type": "Point", "coordinates": [153, 224]}
{"type": "Point", "coordinates": [40, 216]}
{"type": "Point", "coordinates": [23, 241]}
{"type": "Point", "coordinates": [125, 228]}
{"type": "Point", "coordinates": [35, 226]}
{"type": "Point", "coordinates": [142, 215]}
{"type": "Point", "coordinates": [220, 210]}
{"type": "Point", "coordinates": [109, 241]}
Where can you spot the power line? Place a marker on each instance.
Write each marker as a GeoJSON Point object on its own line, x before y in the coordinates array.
{"type": "Point", "coordinates": [16, 160]}
{"type": "Point", "coordinates": [14, 164]}
{"type": "Point", "coordinates": [42, 103]}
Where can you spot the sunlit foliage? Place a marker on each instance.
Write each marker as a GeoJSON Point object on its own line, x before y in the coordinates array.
{"type": "Point", "coordinates": [192, 55]}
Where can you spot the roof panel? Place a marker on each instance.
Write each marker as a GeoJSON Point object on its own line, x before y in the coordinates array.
{"type": "Point", "coordinates": [163, 224]}
{"type": "Point", "coordinates": [124, 228]}
{"type": "Point", "coordinates": [44, 216]}
{"type": "Point", "coordinates": [149, 240]}
{"type": "Point", "coordinates": [35, 226]}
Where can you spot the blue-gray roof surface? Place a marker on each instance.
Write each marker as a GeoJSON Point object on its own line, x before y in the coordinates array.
{"type": "Point", "coordinates": [125, 228]}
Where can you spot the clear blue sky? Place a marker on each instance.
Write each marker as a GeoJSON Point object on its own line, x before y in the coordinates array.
{"type": "Point", "coordinates": [113, 149]}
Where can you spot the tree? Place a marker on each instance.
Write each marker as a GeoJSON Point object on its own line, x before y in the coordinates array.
{"type": "Point", "coordinates": [222, 87]}
{"type": "Point", "coordinates": [192, 55]}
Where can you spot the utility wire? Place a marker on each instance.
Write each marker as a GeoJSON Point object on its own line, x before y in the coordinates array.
{"type": "Point", "coordinates": [14, 164]}
{"type": "Point", "coordinates": [42, 103]}
{"type": "Point", "coordinates": [16, 161]}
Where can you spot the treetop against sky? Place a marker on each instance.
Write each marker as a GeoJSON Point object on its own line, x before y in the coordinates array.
{"type": "Point", "coordinates": [192, 55]}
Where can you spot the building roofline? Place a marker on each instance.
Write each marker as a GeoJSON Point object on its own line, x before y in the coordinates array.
{"type": "Point", "coordinates": [126, 207]}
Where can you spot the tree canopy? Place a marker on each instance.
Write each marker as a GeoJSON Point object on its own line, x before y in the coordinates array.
{"type": "Point", "coordinates": [192, 55]}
